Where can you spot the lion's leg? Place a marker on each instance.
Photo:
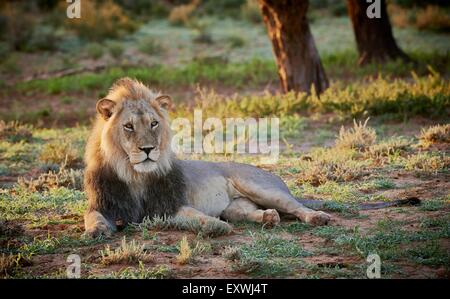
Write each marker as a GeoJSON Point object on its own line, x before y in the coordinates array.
{"type": "Point", "coordinates": [189, 212]}
{"type": "Point", "coordinates": [282, 201]}
{"type": "Point", "coordinates": [243, 209]}
{"type": "Point", "coordinates": [96, 224]}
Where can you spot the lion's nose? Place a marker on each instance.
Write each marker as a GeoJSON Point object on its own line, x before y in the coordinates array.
{"type": "Point", "coordinates": [147, 149]}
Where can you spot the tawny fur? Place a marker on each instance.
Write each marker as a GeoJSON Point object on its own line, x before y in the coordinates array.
{"type": "Point", "coordinates": [124, 182]}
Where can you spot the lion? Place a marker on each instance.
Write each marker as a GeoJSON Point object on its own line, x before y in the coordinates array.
{"type": "Point", "coordinates": [131, 172]}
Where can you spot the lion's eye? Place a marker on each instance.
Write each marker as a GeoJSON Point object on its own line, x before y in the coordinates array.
{"type": "Point", "coordinates": [154, 124]}
{"type": "Point", "coordinates": [128, 127]}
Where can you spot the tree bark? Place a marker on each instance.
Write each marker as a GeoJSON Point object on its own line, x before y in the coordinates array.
{"type": "Point", "coordinates": [373, 36]}
{"type": "Point", "coordinates": [298, 61]}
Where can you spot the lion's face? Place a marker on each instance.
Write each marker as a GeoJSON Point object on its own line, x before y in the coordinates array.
{"type": "Point", "coordinates": [139, 131]}
{"type": "Point", "coordinates": [136, 133]}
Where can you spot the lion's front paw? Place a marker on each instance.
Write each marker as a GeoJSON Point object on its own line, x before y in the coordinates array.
{"type": "Point", "coordinates": [317, 218]}
{"type": "Point", "coordinates": [271, 217]}
{"type": "Point", "coordinates": [100, 229]}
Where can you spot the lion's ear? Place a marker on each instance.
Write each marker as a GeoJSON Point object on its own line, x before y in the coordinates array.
{"type": "Point", "coordinates": [105, 108]}
{"type": "Point", "coordinates": [164, 101]}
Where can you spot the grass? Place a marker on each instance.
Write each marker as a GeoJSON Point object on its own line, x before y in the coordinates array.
{"type": "Point", "coordinates": [128, 252]}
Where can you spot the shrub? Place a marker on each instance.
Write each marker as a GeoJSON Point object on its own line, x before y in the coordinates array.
{"type": "Point", "coordinates": [100, 20]}
{"type": "Point", "coordinates": [317, 173]}
{"type": "Point", "coordinates": [388, 147]}
{"type": "Point", "coordinates": [235, 41]}
{"type": "Point", "coordinates": [426, 163]}
{"type": "Point", "coordinates": [68, 178]}
{"type": "Point", "coordinates": [435, 134]}
{"type": "Point", "coordinates": [150, 46]}
{"type": "Point", "coordinates": [360, 137]}
{"type": "Point", "coordinates": [115, 49]}
{"type": "Point", "coordinates": [433, 18]}
{"type": "Point", "coordinates": [185, 255]}
{"type": "Point", "coordinates": [59, 152]}
{"type": "Point", "coordinates": [44, 37]}
{"type": "Point", "coordinates": [15, 132]}
{"type": "Point", "coordinates": [94, 50]}
{"type": "Point", "coordinates": [127, 252]}
{"type": "Point", "coordinates": [181, 14]}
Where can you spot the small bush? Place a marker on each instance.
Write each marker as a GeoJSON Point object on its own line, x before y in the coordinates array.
{"type": "Point", "coordinates": [127, 252]}
{"type": "Point", "coordinates": [94, 50]}
{"type": "Point", "coordinates": [235, 41]}
{"type": "Point", "coordinates": [115, 49]}
{"type": "Point", "coordinates": [150, 46]}
{"type": "Point", "coordinates": [185, 255]}
{"type": "Point", "coordinates": [68, 178]}
{"type": "Point", "coordinates": [320, 172]}
{"type": "Point", "coordinates": [100, 20]}
{"type": "Point", "coordinates": [434, 134]}
{"type": "Point", "coordinates": [181, 14]}
{"type": "Point", "coordinates": [360, 137]}
{"type": "Point", "coordinates": [433, 18]}
{"type": "Point", "coordinates": [426, 163]}
{"type": "Point", "coordinates": [60, 152]}
{"type": "Point", "coordinates": [231, 253]}
{"type": "Point", "coordinates": [15, 132]}
{"type": "Point", "coordinates": [44, 37]}
{"type": "Point", "coordinates": [388, 147]}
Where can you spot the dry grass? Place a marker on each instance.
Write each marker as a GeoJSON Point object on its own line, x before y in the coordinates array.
{"type": "Point", "coordinates": [426, 163]}
{"type": "Point", "coordinates": [9, 263]}
{"type": "Point", "coordinates": [232, 253]}
{"type": "Point", "coordinates": [320, 172]}
{"type": "Point", "coordinates": [360, 137]}
{"type": "Point", "coordinates": [434, 135]}
{"type": "Point", "coordinates": [127, 252]}
{"type": "Point", "coordinates": [14, 131]}
{"type": "Point", "coordinates": [388, 147]}
{"type": "Point", "coordinates": [69, 178]}
{"type": "Point", "coordinates": [180, 15]}
{"type": "Point", "coordinates": [432, 18]}
{"type": "Point", "coordinates": [185, 255]}
{"type": "Point", "coordinates": [60, 152]}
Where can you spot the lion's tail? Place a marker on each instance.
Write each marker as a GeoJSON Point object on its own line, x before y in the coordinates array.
{"type": "Point", "coordinates": [317, 204]}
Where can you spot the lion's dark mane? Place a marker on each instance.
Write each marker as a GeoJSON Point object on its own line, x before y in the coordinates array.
{"type": "Point", "coordinates": [109, 195]}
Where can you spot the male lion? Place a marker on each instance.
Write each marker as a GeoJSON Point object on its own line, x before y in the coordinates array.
{"type": "Point", "coordinates": [131, 172]}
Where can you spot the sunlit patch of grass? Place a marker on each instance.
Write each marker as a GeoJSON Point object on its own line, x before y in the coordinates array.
{"type": "Point", "coordinates": [360, 137]}
{"type": "Point", "coordinates": [434, 135]}
{"type": "Point", "coordinates": [388, 147]}
{"type": "Point", "coordinates": [187, 254]}
{"type": "Point", "coordinates": [60, 152]}
{"type": "Point", "coordinates": [70, 178]}
{"type": "Point", "coordinates": [425, 163]}
{"type": "Point", "coordinates": [14, 131]}
{"type": "Point", "coordinates": [19, 203]}
{"type": "Point", "coordinates": [127, 252]}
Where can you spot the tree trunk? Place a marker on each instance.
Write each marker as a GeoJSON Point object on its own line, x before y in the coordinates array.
{"type": "Point", "coordinates": [298, 61]}
{"type": "Point", "coordinates": [373, 35]}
